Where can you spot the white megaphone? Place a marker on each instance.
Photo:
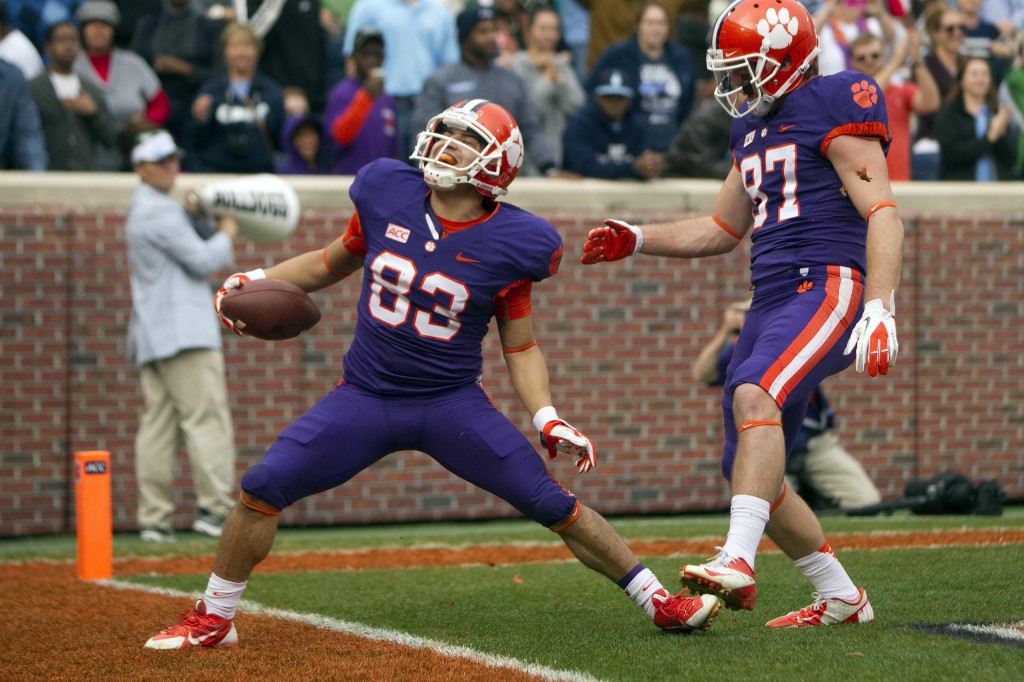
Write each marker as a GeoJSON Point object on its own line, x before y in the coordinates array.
{"type": "Point", "coordinates": [265, 206]}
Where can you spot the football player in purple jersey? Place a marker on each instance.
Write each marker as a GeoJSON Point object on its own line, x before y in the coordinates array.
{"type": "Point", "coordinates": [439, 257]}
{"type": "Point", "coordinates": [809, 183]}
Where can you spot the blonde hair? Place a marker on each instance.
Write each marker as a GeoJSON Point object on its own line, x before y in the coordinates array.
{"type": "Point", "coordinates": [234, 29]}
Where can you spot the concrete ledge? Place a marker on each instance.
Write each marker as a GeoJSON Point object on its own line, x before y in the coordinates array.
{"type": "Point", "coordinates": [536, 194]}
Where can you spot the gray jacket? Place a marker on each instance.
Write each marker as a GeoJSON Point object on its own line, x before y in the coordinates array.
{"type": "Point", "coordinates": [172, 301]}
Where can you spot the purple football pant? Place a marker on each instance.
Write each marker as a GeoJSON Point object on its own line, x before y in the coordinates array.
{"type": "Point", "coordinates": [350, 429]}
{"type": "Point", "coordinates": [793, 338]}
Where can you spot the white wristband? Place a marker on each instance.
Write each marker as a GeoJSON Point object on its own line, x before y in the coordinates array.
{"type": "Point", "coordinates": [543, 416]}
{"type": "Point", "coordinates": [639, 238]}
{"type": "Point", "coordinates": [256, 274]}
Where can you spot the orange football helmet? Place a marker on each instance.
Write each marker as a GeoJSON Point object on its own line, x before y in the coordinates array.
{"type": "Point", "coordinates": [493, 168]}
{"type": "Point", "coordinates": [759, 50]}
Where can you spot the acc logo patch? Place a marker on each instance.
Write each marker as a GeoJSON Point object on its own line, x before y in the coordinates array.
{"type": "Point", "coordinates": [398, 233]}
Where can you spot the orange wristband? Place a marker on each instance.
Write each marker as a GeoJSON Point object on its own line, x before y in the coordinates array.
{"type": "Point", "coordinates": [878, 207]}
{"type": "Point", "coordinates": [327, 265]}
{"type": "Point", "coordinates": [721, 224]}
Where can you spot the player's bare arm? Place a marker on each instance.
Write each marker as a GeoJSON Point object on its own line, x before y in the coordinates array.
{"type": "Point", "coordinates": [526, 365]}
{"type": "Point", "coordinates": [710, 235]}
{"type": "Point", "coordinates": [529, 373]}
{"type": "Point", "coordinates": [860, 164]}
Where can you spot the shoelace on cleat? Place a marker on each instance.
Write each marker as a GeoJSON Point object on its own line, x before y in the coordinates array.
{"type": "Point", "coordinates": [818, 607]}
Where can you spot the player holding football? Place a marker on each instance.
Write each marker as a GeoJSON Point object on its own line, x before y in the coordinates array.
{"type": "Point", "coordinates": [440, 258]}
{"type": "Point", "coordinates": [809, 183]}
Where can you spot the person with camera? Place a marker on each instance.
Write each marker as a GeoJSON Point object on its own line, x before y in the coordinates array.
{"type": "Point", "coordinates": [236, 116]}
{"type": "Point", "coordinates": [824, 473]}
{"type": "Point", "coordinates": [360, 117]}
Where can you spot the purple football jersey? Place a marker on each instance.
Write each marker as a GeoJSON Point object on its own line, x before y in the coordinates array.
{"type": "Point", "coordinates": [427, 298]}
{"type": "Point", "coordinates": [802, 216]}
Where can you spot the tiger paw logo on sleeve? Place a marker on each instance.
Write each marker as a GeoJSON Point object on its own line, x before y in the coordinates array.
{"type": "Point", "coordinates": [864, 94]}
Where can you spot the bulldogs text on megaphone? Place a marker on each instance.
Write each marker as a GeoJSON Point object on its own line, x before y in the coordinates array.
{"type": "Point", "coordinates": [265, 206]}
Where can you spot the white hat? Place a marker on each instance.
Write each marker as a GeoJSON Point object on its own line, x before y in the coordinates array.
{"type": "Point", "coordinates": [155, 146]}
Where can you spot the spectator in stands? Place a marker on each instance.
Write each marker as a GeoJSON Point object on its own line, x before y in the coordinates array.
{"type": "Point", "coordinates": [693, 31]}
{"type": "Point", "coordinates": [132, 90]}
{"type": "Point", "coordinates": [902, 98]}
{"type": "Point", "coordinates": [477, 77]}
{"type": "Point", "coordinates": [131, 12]}
{"type": "Point", "coordinates": [701, 147]}
{"type": "Point", "coordinates": [839, 22]}
{"type": "Point", "coordinates": [975, 139]}
{"type": "Point", "coordinates": [1011, 94]}
{"type": "Point", "coordinates": [1007, 15]}
{"type": "Point", "coordinates": [302, 146]}
{"type": "Point", "coordinates": [333, 15]}
{"type": "Point", "coordinates": [818, 466]}
{"type": "Point", "coordinates": [175, 342]}
{"type": "Point", "coordinates": [984, 39]}
{"type": "Point", "coordinates": [946, 36]}
{"type": "Point", "coordinates": [660, 68]}
{"type": "Point", "coordinates": [73, 112]}
{"type": "Point", "coordinates": [294, 45]}
{"type": "Point", "coordinates": [237, 116]}
{"type": "Point", "coordinates": [576, 34]}
{"type": "Point", "coordinates": [606, 139]}
{"type": "Point", "coordinates": [549, 78]}
{"type": "Point", "coordinates": [510, 19]}
{"type": "Point", "coordinates": [17, 49]}
{"type": "Point", "coordinates": [360, 116]}
{"type": "Point", "coordinates": [421, 37]}
{"type": "Point", "coordinates": [22, 146]}
{"type": "Point", "coordinates": [33, 17]}
{"type": "Point", "coordinates": [613, 21]}
{"type": "Point", "coordinates": [180, 44]}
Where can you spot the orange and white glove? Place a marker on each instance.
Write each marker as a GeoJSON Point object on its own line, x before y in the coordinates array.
{"type": "Point", "coordinates": [235, 281]}
{"type": "Point", "coordinates": [557, 435]}
{"type": "Point", "coordinates": [874, 337]}
{"type": "Point", "coordinates": [615, 241]}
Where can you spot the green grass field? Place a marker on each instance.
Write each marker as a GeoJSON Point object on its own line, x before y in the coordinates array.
{"type": "Point", "coordinates": [564, 617]}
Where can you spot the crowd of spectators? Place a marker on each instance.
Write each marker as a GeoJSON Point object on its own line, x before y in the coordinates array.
{"type": "Point", "coordinates": [600, 88]}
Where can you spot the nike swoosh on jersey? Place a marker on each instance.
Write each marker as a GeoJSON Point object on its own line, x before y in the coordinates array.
{"type": "Point", "coordinates": [463, 259]}
{"type": "Point", "coordinates": [783, 129]}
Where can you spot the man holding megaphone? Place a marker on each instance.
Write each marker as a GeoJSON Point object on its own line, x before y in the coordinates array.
{"type": "Point", "coordinates": [175, 341]}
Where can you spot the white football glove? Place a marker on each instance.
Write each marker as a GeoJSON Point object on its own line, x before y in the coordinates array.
{"type": "Point", "coordinates": [874, 337]}
{"type": "Point", "coordinates": [235, 281]}
{"type": "Point", "coordinates": [557, 435]}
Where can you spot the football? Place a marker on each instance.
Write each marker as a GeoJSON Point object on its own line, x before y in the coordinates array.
{"type": "Point", "coordinates": [271, 309]}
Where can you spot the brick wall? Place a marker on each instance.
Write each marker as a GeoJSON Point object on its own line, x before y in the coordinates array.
{"type": "Point", "coordinates": [618, 338]}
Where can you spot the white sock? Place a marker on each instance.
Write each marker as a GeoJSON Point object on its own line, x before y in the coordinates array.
{"type": "Point", "coordinates": [642, 587]}
{"type": "Point", "coordinates": [827, 575]}
{"type": "Point", "coordinates": [223, 596]}
{"type": "Point", "coordinates": [748, 515]}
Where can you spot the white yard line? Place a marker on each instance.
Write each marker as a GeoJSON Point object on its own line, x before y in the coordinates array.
{"type": "Point", "coordinates": [368, 632]}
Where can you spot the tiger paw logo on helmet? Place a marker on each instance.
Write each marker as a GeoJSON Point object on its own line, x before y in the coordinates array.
{"type": "Point", "coordinates": [777, 28]}
{"type": "Point", "coordinates": [864, 94]}
{"type": "Point", "coordinates": [514, 148]}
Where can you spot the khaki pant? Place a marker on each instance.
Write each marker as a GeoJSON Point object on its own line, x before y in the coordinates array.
{"type": "Point", "coordinates": [186, 404]}
{"type": "Point", "coordinates": [835, 474]}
